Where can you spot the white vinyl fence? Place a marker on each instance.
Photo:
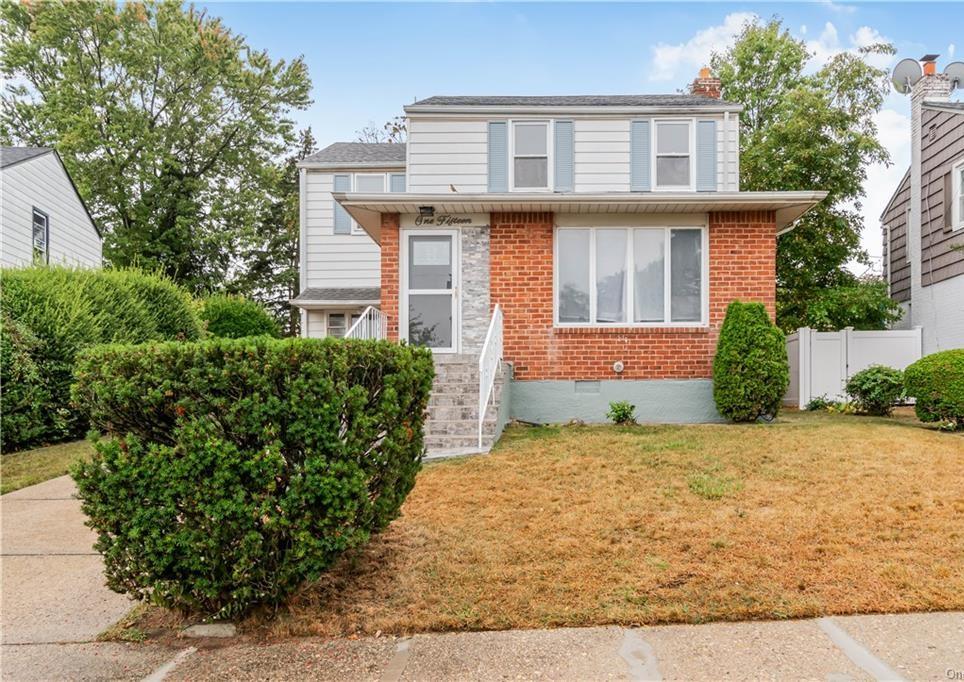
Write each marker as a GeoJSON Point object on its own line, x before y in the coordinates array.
{"type": "Point", "coordinates": [821, 363]}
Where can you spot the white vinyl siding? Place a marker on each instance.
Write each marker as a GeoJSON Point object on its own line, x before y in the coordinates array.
{"type": "Point", "coordinates": [601, 157]}
{"type": "Point", "coordinates": [443, 153]}
{"type": "Point", "coordinates": [728, 153]}
{"type": "Point", "coordinates": [334, 260]}
{"type": "Point", "coordinates": [41, 183]}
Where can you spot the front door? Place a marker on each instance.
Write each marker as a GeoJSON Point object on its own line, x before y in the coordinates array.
{"type": "Point", "coordinates": [429, 310]}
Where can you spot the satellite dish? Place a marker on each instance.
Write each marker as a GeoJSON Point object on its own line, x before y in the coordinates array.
{"type": "Point", "coordinates": [906, 73]}
{"type": "Point", "coordinates": [955, 71]}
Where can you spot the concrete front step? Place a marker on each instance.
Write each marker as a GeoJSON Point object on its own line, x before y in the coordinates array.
{"type": "Point", "coordinates": [452, 423]}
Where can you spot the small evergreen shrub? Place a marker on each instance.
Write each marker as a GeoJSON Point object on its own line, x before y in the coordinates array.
{"type": "Point", "coordinates": [875, 390]}
{"type": "Point", "coordinates": [750, 371]}
{"type": "Point", "coordinates": [621, 412]}
{"type": "Point", "coordinates": [820, 403]}
{"type": "Point", "coordinates": [24, 418]}
{"type": "Point", "coordinates": [234, 317]}
{"type": "Point", "coordinates": [65, 310]}
{"type": "Point", "coordinates": [936, 381]}
{"type": "Point", "coordinates": [240, 468]}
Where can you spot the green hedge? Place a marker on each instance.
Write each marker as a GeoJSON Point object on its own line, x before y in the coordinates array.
{"type": "Point", "coordinates": [750, 371]}
{"type": "Point", "coordinates": [234, 317]}
{"type": "Point", "coordinates": [936, 381]}
{"type": "Point", "coordinates": [59, 311]}
{"type": "Point", "coordinates": [239, 469]}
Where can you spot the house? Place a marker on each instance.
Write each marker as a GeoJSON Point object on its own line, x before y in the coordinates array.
{"type": "Point", "coordinates": [591, 242]}
{"type": "Point", "coordinates": [923, 224]}
{"type": "Point", "coordinates": [43, 218]}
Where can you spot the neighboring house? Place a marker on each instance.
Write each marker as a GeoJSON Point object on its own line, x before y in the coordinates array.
{"type": "Point", "coordinates": [593, 242]}
{"type": "Point", "coordinates": [923, 224]}
{"type": "Point", "coordinates": [43, 218]}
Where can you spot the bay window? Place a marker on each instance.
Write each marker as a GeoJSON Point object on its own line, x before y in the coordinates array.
{"type": "Point", "coordinates": [530, 155]}
{"type": "Point", "coordinates": [640, 276]}
{"type": "Point", "coordinates": [673, 154]}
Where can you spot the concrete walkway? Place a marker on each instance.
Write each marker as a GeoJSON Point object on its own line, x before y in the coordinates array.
{"type": "Point", "coordinates": [54, 605]}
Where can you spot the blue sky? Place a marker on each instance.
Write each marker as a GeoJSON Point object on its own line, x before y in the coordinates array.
{"type": "Point", "coordinates": [367, 60]}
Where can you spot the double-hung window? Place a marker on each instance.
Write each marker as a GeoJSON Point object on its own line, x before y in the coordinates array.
{"type": "Point", "coordinates": [372, 183]}
{"type": "Point", "coordinates": [674, 154]}
{"type": "Point", "coordinates": [340, 323]}
{"type": "Point", "coordinates": [530, 155]}
{"type": "Point", "coordinates": [957, 205]}
{"type": "Point", "coordinates": [41, 237]}
{"type": "Point", "coordinates": [640, 276]}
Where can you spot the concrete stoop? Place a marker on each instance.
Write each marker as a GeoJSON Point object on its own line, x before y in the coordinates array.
{"type": "Point", "coordinates": [451, 429]}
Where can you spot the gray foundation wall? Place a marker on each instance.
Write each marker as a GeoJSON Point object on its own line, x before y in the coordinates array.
{"type": "Point", "coordinates": [657, 401]}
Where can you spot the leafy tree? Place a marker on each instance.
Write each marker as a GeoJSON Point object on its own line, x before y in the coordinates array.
{"type": "Point", "coordinates": [393, 130]}
{"type": "Point", "coordinates": [862, 305]}
{"type": "Point", "coordinates": [270, 272]}
{"type": "Point", "coordinates": [806, 130]}
{"type": "Point", "coordinates": [166, 120]}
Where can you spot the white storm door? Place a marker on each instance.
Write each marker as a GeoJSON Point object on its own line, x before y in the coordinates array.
{"type": "Point", "coordinates": [429, 314]}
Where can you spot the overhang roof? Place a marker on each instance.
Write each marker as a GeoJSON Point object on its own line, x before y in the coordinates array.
{"type": "Point", "coordinates": [357, 155]}
{"type": "Point", "coordinates": [675, 103]}
{"type": "Point", "coordinates": [12, 155]}
{"type": "Point", "coordinates": [366, 208]}
{"type": "Point", "coordinates": [329, 297]}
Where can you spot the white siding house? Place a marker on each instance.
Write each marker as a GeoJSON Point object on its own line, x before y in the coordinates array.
{"type": "Point", "coordinates": [43, 218]}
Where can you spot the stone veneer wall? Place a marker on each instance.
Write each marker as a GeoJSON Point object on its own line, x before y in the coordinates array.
{"type": "Point", "coordinates": [475, 288]}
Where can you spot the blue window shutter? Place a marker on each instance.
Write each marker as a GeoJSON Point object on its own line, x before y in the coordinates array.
{"type": "Point", "coordinates": [498, 156]}
{"type": "Point", "coordinates": [342, 183]}
{"type": "Point", "coordinates": [396, 182]}
{"type": "Point", "coordinates": [706, 156]}
{"type": "Point", "coordinates": [563, 153]}
{"type": "Point", "coordinates": [640, 156]}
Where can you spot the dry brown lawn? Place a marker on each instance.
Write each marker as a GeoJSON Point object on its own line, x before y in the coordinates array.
{"type": "Point", "coordinates": [817, 514]}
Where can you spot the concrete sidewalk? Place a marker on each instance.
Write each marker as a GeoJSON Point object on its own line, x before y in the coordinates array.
{"type": "Point", "coordinates": [54, 604]}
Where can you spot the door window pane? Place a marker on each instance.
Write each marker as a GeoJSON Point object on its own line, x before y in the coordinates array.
{"type": "Point", "coordinates": [532, 172]}
{"type": "Point", "coordinates": [430, 320]}
{"type": "Point", "coordinates": [673, 138]}
{"type": "Point", "coordinates": [610, 275]}
{"type": "Point", "coordinates": [530, 139]}
{"type": "Point", "coordinates": [649, 253]}
{"type": "Point", "coordinates": [336, 325]}
{"type": "Point", "coordinates": [686, 276]}
{"type": "Point", "coordinates": [672, 171]}
{"type": "Point", "coordinates": [573, 269]}
{"type": "Point", "coordinates": [430, 262]}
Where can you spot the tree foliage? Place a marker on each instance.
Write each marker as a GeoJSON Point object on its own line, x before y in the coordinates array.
{"type": "Point", "coordinates": [167, 121]}
{"type": "Point", "coordinates": [805, 129]}
{"type": "Point", "coordinates": [862, 305]}
{"type": "Point", "coordinates": [393, 130]}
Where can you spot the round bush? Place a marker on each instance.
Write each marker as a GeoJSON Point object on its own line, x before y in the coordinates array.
{"type": "Point", "coordinates": [936, 381]}
{"type": "Point", "coordinates": [237, 469]}
{"type": "Point", "coordinates": [234, 317]}
{"type": "Point", "coordinates": [67, 310]}
{"type": "Point", "coordinates": [750, 370]}
{"type": "Point", "coordinates": [875, 390]}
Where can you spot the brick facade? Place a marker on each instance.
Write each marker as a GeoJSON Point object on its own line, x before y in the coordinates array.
{"type": "Point", "coordinates": [390, 274]}
{"type": "Point", "coordinates": [742, 262]}
{"type": "Point", "coordinates": [742, 265]}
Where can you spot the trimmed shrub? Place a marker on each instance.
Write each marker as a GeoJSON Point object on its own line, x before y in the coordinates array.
{"type": "Point", "coordinates": [875, 390]}
{"type": "Point", "coordinates": [240, 468]}
{"type": "Point", "coordinates": [936, 381]}
{"type": "Point", "coordinates": [621, 412]}
{"type": "Point", "coordinates": [65, 310]}
{"type": "Point", "coordinates": [234, 317]}
{"type": "Point", "coordinates": [750, 371]}
{"type": "Point", "coordinates": [24, 417]}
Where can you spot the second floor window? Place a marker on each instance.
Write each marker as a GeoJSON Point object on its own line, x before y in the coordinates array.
{"type": "Point", "coordinates": [957, 207]}
{"type": "Point", "coordinates": [673, 153]}
{"type": "Point", "coordinates": [530, 156]}
{"type": "Point", "coordinates": [41, 237]}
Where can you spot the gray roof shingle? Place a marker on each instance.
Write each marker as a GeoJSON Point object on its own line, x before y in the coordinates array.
{"type": "Point", "coordinates": [314, 294]}
{"type": "Point", "coordinates": [574, 101]}
{"type": "Point", "coordinates": [12, 155]}
{"type": "Point", "coordinates": [360, 153]}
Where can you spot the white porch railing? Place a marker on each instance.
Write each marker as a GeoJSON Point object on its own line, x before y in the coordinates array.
{"type": "Point", "coordinates": [373, 324]}
{"type": "Point", "coordinates": [489, 361]}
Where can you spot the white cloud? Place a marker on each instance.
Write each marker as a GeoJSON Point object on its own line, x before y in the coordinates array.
{"type": "Point", "coordinates": [838, 8]}
{"type": "Point", "coordinates": [950, 50]}
{"type": "Point", "coordinates": [671, 62]}
{"type": "Point", "coordinates": [828, 45]}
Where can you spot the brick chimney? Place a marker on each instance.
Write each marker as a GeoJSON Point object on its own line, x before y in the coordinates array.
{"type": "Point", "coordinates": [706, 85]}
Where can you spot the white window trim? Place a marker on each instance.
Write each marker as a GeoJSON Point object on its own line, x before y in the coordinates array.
{"type": "Point", "coordinates": [456, 290]}
{"type": "Point", "coordinates": [629, 283]}
{"type": "Point", "coordinates": [957, 219]}
{"type": "Point", "coordinates": [46, 216]}
{"type": "Point", "coordinates": [550, 179]}
{"type": "Point", "coordinates": [691, 122]}
{"type": "Point", "coordinates": [386, 176]}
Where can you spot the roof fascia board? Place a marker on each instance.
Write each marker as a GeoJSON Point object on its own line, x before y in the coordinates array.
{"type": "Point", "coordinates": [343, 165]}
{"type": "Point", "coordinates": [545, 110]}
